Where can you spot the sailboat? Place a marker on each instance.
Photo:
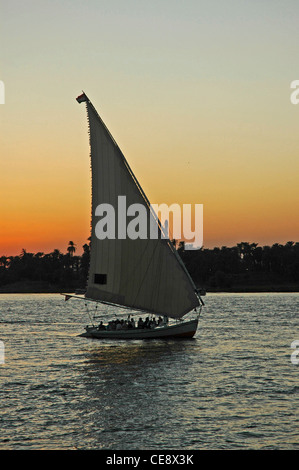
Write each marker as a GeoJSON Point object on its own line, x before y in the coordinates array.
{"type": "Point", "coordinates": [143, 274]}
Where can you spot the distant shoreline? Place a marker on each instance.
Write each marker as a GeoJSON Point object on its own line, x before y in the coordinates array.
{"type": "Point", "coordinates": [45, 288]}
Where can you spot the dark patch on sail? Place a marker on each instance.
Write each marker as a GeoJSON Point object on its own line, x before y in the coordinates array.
{"type": "Point", "coordinates": [100, 278]}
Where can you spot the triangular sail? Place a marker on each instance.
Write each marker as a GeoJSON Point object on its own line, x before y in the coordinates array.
{"type": "Point", "coordinates": [144, 274]}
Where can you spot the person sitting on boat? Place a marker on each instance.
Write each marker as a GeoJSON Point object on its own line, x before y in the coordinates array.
{"type": "Point", "coordinates": [151, 323]}
{"type": "Point", "coordinates": [140, 323]}
{"type": "Point", "coordinates": [101, 326]}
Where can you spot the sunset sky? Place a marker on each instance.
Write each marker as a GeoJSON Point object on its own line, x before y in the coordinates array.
{"type": "Point", "coordinates": [196, 93]}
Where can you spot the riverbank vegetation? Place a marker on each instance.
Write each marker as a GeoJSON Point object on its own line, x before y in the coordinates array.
{"type": "Point", "coordinates": [245, 267]}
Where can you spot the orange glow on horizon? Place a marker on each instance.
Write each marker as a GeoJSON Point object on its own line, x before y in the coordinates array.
{"type": "Point", "coordinates": [47, 198]}
{"type": "Point", "coordinates": [197, 98]}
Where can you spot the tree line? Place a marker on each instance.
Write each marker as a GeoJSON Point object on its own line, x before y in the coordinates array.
{"type": "Point", "coordinates": [49, 271]}
{"type": "Point", "coordinates": [244, 267]}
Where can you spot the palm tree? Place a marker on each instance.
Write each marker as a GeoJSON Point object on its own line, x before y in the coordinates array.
{"type": "Point", "coordinates": [71, 248]}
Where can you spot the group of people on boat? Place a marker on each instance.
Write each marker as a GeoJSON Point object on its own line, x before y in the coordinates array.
{"type": "Point", "coordinates": [130, 323]}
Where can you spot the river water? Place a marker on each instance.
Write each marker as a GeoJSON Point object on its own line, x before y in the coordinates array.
{"type": "Point", "coordinates": [234, 386]}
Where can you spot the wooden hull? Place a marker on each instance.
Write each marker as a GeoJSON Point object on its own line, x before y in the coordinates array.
{"type": "Point", "coordinates": [179, 330]}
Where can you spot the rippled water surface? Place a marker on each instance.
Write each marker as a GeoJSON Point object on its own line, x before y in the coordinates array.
{"type": "Point", "coordinates": [231, 387]}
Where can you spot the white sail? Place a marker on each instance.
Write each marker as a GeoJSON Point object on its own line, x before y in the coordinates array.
{"type": "Point", "coordinates": [144, 274]}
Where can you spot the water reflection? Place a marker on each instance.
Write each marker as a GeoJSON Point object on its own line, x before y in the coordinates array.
{"type": "Point", "coordinates": [129, 388]}
{"type": "Point", "coordinates": [136, 352]}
